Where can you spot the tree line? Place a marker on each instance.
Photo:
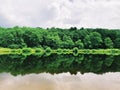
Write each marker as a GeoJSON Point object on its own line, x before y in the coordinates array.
{"type": "Point", "coordinates": [82, 38]}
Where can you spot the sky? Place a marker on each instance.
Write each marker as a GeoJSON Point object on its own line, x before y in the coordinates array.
{"type": "Point", "coordinates": [64, 81]}
{"type": "Point", "coordinates": [60, 13]}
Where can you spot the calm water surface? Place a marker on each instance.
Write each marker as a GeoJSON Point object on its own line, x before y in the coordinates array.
{"type": "Point", "coordinates": [64, 81]}
{"type": "Point", "coordinates": [93, 72]}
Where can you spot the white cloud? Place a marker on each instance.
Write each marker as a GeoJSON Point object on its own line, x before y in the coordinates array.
{"type": "Point", "coordinates": [62, 13]}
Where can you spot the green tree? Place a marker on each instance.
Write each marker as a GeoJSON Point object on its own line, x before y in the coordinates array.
{"type": "Point", "coordinates": [87, 42]}
{"type": "Point", "coordinates": [52, 40]}
{"type": "Point", "coordinates": [79, 44]}
{"type": "Point", "coordinates": [108, 42]}
{"type": "Point", "coordinates": [18, 39]}
{"type": "Point", "coordinates": [30, 38]}
{"type": "Point", "coordinates": [117, 39]}
{"type": "Point", "coordinates": [117, 43]}
{"type": "Point", "coordinates": [96, 40]}
{"type": "Point", "coordinates": [67, 42]}
{"type": "Point", "coordinates": [6, 39]}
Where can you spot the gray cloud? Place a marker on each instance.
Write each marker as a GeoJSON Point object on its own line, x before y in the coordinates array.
{"type": "Point", "coordinates": [63, 13]}
{"type": "Point", "coordinates": [4, 21]}
{"type": "Point", "coordinates": [71, 21]}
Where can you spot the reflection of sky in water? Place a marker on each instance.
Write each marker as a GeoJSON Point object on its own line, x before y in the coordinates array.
{"type": "Point", "coordinates": [65, 81]}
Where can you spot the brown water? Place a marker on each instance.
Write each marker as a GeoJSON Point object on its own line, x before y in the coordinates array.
{"type": "Point", "coordinates": [64, 81]}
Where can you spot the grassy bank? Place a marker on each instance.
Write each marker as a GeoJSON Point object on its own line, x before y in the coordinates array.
{"type": "Point", "coordinates": [49, 51]}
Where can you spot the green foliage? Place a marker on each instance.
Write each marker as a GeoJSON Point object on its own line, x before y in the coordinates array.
{"type": "Point", "coordinates": [52, 40]}
{"type": "Point", "coordinates": [21, 65]}
{"type": "Point", "coordinates": [96, 39]}
{"type": "Point", "coordinates": [88, 38]}
{"type": "Point", "coordinates": [48, 51]}
{"type": "Point", "coordinates": [26, 51]}
{"type": "Point", "coordinates": [79, 44]}
{"type": "Point", "coordinates": [59, 51]}
{"type": "Point", "coordinates": [30, 38]}
{"type": "Point", "coordinates": [117, 42]}
{"type": "Point", "coordinates": [108, 61]}
{"type": "Point", "coordinates": [39, 51]}
{"type": "Point", "coordinates": [75, 51]}
{"type": "Point", "coordinates": [87, 42]}
{"type": "Point", "coordinates": [108, 43]}
{"type": "Point", "coordinates": [67, 42]}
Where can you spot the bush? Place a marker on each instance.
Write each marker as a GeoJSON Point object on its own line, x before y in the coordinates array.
{"type": "Point", "coordinates": [75, 51]}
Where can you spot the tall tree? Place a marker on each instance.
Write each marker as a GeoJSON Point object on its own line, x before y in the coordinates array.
{"type": "Point", "coordinates": [30, 38]}
{"type": "Point", "coordinates": [79, 44]}
{"type": "Point", "coordinates": [96, 40]}
{"type": "Point", "coordinates": [67, 42]}
{"type": "Point", "coordinates": [87, 42]}
{"type": "Point", "coordinates": [108, 42]}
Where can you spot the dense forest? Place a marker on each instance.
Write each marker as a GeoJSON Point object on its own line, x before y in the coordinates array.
{"type": "Point", "coordinates": [27, 50]}
{"type": "Point", "coordinates": [87, 38]}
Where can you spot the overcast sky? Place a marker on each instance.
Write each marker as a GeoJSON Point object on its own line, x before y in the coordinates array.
{"type": "Point", "coordinates": [60, 13]}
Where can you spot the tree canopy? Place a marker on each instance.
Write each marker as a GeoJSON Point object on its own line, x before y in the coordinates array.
{"type": "Point", "coordinates": [87, 38]}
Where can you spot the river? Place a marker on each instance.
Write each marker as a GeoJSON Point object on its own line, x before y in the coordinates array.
{"type": "Point", "coordinates": [84, 72]}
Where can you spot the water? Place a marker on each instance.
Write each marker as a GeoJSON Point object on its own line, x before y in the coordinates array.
{"type": "Point", "coordinates": [64, 81]}
{"type": "Point", "coordinates": [56, 72]}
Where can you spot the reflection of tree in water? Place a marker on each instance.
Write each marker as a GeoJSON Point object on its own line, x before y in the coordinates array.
{"type": "Point", "coordinates": [18, 64]}
{"type": "Point", "coordinates": [92, 63]}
